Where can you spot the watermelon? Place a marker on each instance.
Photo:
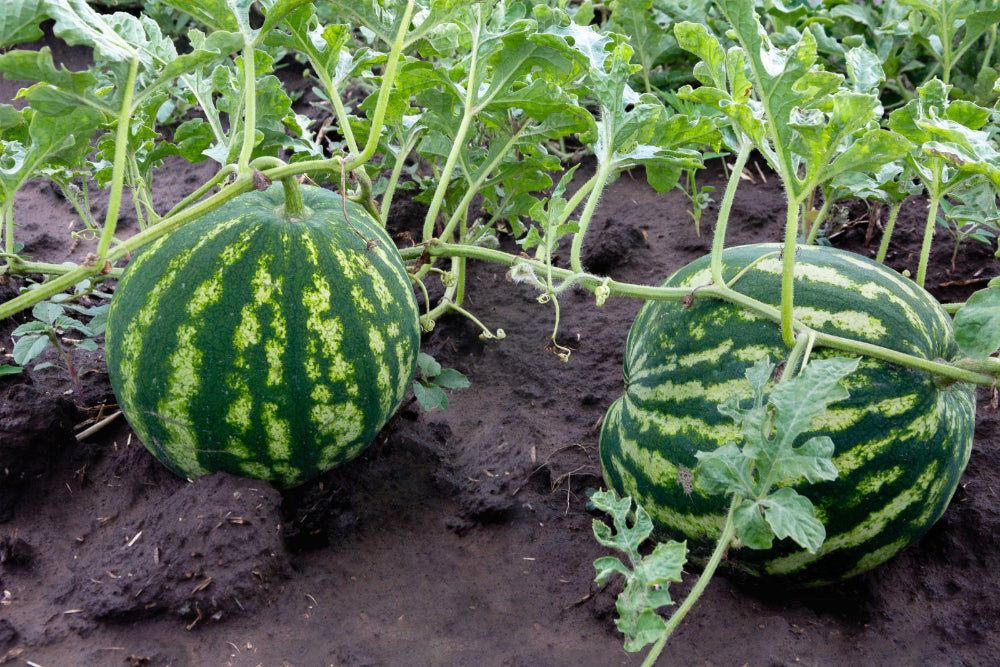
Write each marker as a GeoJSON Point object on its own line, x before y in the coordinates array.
{"type": "Point", "coordinates": [266, 345]}
{"type": "Point", "coordinates": [902, 439]}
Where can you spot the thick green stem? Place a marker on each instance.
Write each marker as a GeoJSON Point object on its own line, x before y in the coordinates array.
{"type": "Point", "coordinates": [963, 373]}
{"type": "Point", "coordinates": [294, 209]}
{"type": "Point", "coordinates": [719, 238]}
{"type": "Point", "coordinates": [721, 547]}
{"type": "Point", "coordinates": [600, 179]}
{"type": "Point", "coordinates": [797, 355]}
{"type": "Point", "coordinates": [250, 102]}
{"type": "Point", "coordinates": [7, 220]}
{"type": "Point", "coordinates": [925, 248]}
{"type": "Point", "coordinates": [787, 271]}
{"type": "Point", "coordinates": [118, 170]}
{"type": "Point", "coordinates": [217, 179]}
{"type": "Point", "coordinates": [20, 266]}
{"type": "Point", "coordinates": [461, 210]}
{"type": "Point", "coordinates": [468, 112]}
{"type": "Point", "coordinates": [883, 247]}
{"type": "Point", "coordinates": [382, 102]}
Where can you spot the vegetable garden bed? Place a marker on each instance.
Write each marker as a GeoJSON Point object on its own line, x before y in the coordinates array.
{"type": "Point", "coordinates": [461, 536]}
{"type": "Point", "coordinates": [464, 538]}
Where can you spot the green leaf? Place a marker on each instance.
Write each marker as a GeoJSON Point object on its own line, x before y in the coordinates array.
{"type": "Point", "coordinates": [228, 15]}
{"type": "Point", "coordinates": [790, 514]}
{"type": "Point", "coordinates": [59, 90]}
{"type": "Point", "coordinates": [864, 69]}
{"type": "Point", "coordinates": [872, 152]}
{"type": "Point", "coordinates": [724, 469]}
{"type": "Point", "coordinates": [646, 585]}
{"type": "Point", "coordinates": [47, 312]}
{"type": "Point", "coordinates": [54, 140]}
{"type": "Point", "coordinates": [977, 323]}
{"type": "Point", "coordinates": [19, 21]}
{"type": "Point", "coordinates": [427, 365]}
{"type": "Point", "coordinates": [112, 36]}
{"type": "Point", "coordinates": [449, 378]}
{"type": "Point", "coordinates": [646, 30]}
{"type": "Point", "coordinates": [769, 456]}
{"type": "Point", "coordinates": [607, 566]}
{"type": "Point", "coordinates": [430, 397]}
{"type": "Point", "coordinates": [776, 75]}
{"type": "Point", "coordinates": [7, 369]}
{"type": "Point", "coordinates": [27, 348]}
{"type": "Point", "coordinates": [797, 401]}
{"type": "Point", "coordinates": [34, 327]}
{"type": "Point", "coordinates": [751, 527]}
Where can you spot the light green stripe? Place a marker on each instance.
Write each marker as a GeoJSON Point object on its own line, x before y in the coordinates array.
{"type": "Point", "coordinates": [182, 442]}
{"type": "Point", "coordinates": [874, 481]}
{"type": "Point", "coordinates": [347, 427]}
{"type": "Point", "coordinates": [279, 445]}
{"type": "Point", "coordinates": [711, 355]}
{"type": "Point", "coordinates": [751, 354]}
{"type": "Point", "coordinates": [667, 391]}
{"type": "Point", "coordinates": [857, 322]}
{"type": "Point", "coordinates": [133, 337]}
{"type": "Point", "coordinates": [873, 525]}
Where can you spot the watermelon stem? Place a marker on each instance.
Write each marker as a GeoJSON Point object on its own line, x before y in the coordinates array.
{"type": "Point", "coordinates": [294, 208]}
{"type": "Point", "coordinates": [719, 238]}
{"type": "Point", "coordinates": [963, 371]}
{"type": "Point", "coordinates": [721, 547]}
{"type": "Point", "coordinates": [932, 208]}
{"type": "Point", "coordinates": [887, 234]}
{"type": "Point", "coordinates": [788, 271]}
{"type": "Point", "coordinates": [799, 353]}
{"type": "Point", "coordinates": [118, 170]}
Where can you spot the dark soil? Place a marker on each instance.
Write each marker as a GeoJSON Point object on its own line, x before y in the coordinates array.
{"type": "Point", "coordinates": [463, 538]}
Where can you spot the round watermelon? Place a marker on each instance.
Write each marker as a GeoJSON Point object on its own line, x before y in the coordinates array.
{"type": "Point", "coordinates": [902, 439]}
{"type": "Point", "coordinates": [265, 345]}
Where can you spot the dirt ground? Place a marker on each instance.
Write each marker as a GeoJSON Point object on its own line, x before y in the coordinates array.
{"type": "Point", "coordinates": [463, 538]}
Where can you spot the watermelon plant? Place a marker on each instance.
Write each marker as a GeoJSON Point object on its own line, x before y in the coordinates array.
{"type": "Point", "coordinates": [285, 319]}
{"type": "Point", "coordinates": [758, 512]}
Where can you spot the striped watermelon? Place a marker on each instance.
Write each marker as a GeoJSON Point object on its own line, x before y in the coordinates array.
{"type": "Point", "coordinates": [902, 438]}
{"type": "Point", "coordinates": [264, 347]}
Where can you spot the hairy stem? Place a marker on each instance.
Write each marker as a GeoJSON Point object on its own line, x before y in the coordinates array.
{"type": "Point", "coordinates": [883, 247]}
{"type": "Point", "coordinates": [719, 238]}
{"type": "Point", "coordinates": [118, 170]}
{"type": "Point", "coordinates": [250, 104]}
{"type": "Point", "coordinates": [721, 547]}
{"type": "Point", "coordinates": [925, 248]}
{"type": "Point", "coordinates": [388, 79]}
{"type": "Point", "coordinates": [787, 271]}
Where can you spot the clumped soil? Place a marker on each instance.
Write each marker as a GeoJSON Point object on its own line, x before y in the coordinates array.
{"type": "Point", "coordinates": [460, 537]}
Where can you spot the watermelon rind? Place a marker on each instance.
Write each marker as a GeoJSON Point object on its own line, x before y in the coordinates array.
{"type": "Point", "coordinates": [265, 347]}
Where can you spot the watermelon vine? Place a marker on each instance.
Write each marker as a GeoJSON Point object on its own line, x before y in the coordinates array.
{"type": "Point", "coordinates": [479, 107]}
